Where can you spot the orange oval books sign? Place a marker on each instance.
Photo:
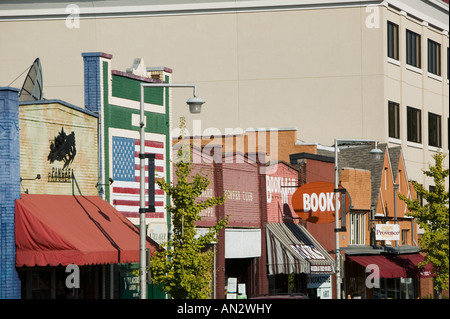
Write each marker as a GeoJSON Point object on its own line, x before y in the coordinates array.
{"type": "Point", "coordinates": [314, 202]}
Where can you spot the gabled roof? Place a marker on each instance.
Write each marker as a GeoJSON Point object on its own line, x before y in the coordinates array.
{"type": "Point", "coordinates": [361, 158]}
{"type": "Point", "coordinates": [394, 156]}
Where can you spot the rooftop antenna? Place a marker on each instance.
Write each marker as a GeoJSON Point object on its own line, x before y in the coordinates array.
{"type": "Point", "coordinates": [32, 89]}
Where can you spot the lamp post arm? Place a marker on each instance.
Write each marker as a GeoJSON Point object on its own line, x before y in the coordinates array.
{"type": "Point", "coordinates": [174, 85]}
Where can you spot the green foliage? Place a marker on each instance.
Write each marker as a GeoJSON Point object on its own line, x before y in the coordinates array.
{"type": "Point", "coordinates": [434, 219]}
{"type": "Point", "coordinates": [184, 268]}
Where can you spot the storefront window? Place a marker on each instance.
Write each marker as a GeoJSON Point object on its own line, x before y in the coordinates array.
{"type": "Point", "coordinates": [287, 284]}
{"type": "Point", "coordinates": [39, 285]}
{"type": "Point", "coordinates": [391, 288]}
{"type": "Point", "coordinates": [406, 288]}
{"type": "Point", "coordinates": [50, 283]}
{"type": "Point", "coordinates": [356, 288]}
{"type": "Point", "coordinates": [395, 288]}
{"type": "Point", "coordinates": [319, 286]}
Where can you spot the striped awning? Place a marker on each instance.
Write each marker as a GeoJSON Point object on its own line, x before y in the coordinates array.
{"type": "Point", "coordinates": [292, 249]}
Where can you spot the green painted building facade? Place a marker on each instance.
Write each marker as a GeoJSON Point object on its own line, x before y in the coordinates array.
{"type": "Point", "coordinates": [115, 97]}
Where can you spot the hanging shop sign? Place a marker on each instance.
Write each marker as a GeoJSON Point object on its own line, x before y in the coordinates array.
{"type": "Point", "coordinates": [315, 202]}
{"type": "Point", "coordinates": [387, 232]}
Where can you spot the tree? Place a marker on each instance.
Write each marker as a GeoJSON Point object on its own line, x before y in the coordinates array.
{"type": "Point", "coordinates": [184, 268]}
{"type": "Point", "coordinates": [434, 219]}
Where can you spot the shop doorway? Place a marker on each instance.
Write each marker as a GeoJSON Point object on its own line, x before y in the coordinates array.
{"type": "Point", "coordinates": [243, 270]}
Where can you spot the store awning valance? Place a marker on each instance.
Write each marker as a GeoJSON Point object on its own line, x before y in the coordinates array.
{"type": "Point", "coordinates": [410, 263]}
{"type": "Point", "coordinates": [242, 243]}
{"type": "Point", "coordinates": [395, 266]}
{"type": "Point", "coordinates": [292, 249]}
{"type": "Point", "coordinates": [387, 268]}
{"type": "Point", "coordinates": [64, 229]}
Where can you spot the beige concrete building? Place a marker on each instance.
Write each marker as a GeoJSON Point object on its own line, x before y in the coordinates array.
{"type": "Point", "coordinates": [332, 69]}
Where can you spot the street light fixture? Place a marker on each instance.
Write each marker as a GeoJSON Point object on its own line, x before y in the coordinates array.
{"type": "Point", "coordinates": [376, 153]}
{"type": "Point", "coordinates": [195, 103]}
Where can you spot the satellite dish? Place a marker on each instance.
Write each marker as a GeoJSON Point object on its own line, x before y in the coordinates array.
{"type": "Point", "coordinates": [33, 84]}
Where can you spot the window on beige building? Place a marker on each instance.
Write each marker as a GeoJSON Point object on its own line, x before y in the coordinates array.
{"type": "Point", "coordinates": [434, 57]}
{"type": "Point", "coordinates": [394, 119]}
{"type": "Point", "coordinates": [414, 125]}
{"type": "Point", "coordinates": [392, 34]}
{"type": "Point", "coordinates": [413, 54]}
{"type": "Point", "coordinates": [434, 130]}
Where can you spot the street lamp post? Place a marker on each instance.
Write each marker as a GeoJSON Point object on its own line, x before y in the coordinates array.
{"type": "Point", "coordinates": [375, 151]}
{"type": "Point", "coordinates": [195, 104]}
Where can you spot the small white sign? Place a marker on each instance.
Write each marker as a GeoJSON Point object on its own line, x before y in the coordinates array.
{"type": "Point", "coordinates": [387, 232]}
{"type": "Point", "coordinates": [241, 289]}
{"type": "Point", "coordinates": [232, 285]}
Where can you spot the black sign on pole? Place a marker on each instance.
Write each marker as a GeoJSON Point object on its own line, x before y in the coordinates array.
{"type": "Point", "coordinates": [344, 211]}
{"type": "Point", "coordinates": [151, 183]}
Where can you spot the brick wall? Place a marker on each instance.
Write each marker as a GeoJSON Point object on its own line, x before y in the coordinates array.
{"type": "Point", "coordinates": [277, 144]}
{"type": "Point", "coordinates": [240, 182]}
{"type": "Point", "coordinates": [9, 190]}
{"type": "Point", "coordinates": [314, 170]}
{"type": "Point", "coordinates": [245, 191]}
{"type": "Point", "coordinates": [358, 184]}
{"type": "Point", "coordinates": [92, 80]}
{"type": "Point", "coordinates": [40, 123]}
{"type": "Point", "coordinates": [279, 190]}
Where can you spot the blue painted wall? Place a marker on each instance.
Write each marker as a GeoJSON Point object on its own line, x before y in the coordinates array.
{"type": "Point", "coordinates": [9, 190]}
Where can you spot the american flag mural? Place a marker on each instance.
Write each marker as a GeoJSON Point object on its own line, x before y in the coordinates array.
{"type": "Point", "coordinates": [126, 175]}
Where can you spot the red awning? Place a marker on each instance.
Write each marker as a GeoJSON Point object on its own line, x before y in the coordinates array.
{"type": "Point", "coordinates": [387, 268]}
{"type": "Point", "coordinates": [395, 266]}
{"type": "Point", "coordinates": [409, 262]}
{"type": "Point", "coordinates": [64, 229]}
